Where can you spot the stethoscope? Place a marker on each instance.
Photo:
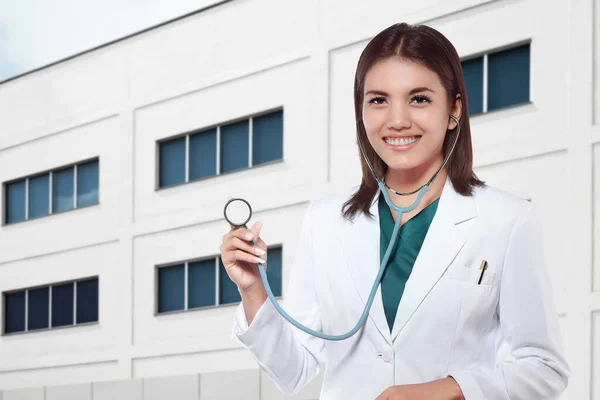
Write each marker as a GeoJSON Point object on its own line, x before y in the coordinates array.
{"type": "Point", "coordinates": [238, 212]}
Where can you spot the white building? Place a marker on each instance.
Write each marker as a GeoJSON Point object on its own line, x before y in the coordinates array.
{"type": "Point", "coordinates": [237, 61]}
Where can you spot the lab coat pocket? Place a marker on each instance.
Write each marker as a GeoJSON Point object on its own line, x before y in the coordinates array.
{"type": "Point", "coordinates": [469, 298]}
{"type": "Point", "coordinates": [476, 302]}
{"type": "Point", "coordinates": [471, 272]}
{"type": "Point", "coordinates": [476, 297]}
{"type": "Point", "coordinates": [475, 325]}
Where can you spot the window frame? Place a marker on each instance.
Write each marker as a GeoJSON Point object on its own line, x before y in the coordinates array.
{"type": "Point", "coordinates": [485, 55]}
{"type": "Point", "coordinates": [50, 327]}
{"type": "Point", "coordinates": [48, 172]}
{"type": "Point", "coordinates": [217, 127]}
{"type": "Point", "coordinates": [186, 281]}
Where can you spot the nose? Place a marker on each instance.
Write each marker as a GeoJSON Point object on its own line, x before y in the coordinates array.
{"type": "Point", "coordinates": [398, 118]}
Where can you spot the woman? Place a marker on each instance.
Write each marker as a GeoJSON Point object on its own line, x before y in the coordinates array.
{"type": "Point", "coordinates": [465, 306]}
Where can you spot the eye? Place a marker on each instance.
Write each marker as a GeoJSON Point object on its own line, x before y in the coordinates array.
{"type": "Point", "coordinates": [421, 99]}
{"type": "Point", "coordinates": [377, 100]}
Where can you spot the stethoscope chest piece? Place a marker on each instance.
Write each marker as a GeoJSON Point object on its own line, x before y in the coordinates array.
{"type": "Point", "coordinates": [237, 212]}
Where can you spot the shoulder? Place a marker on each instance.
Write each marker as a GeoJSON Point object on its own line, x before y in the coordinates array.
{"type": "Point", "coordinates": [500, 206]}
{"type": "Point", "coordinates": [491, 196]}
{"type": "Point", "coordinates": [331, 205]}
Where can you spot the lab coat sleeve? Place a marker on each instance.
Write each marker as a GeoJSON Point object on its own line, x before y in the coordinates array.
{"type": "Point", "coordinates": [528, 322]}
{"type": "Point", "coordinates": [289, 356]}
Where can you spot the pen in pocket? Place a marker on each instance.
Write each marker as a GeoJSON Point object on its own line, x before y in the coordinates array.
{"type": "Point", "coordinates": [483, 267]}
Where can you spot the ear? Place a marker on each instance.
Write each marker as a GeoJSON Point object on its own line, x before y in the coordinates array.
{"type": "Point", "coordinates": [456, 110]}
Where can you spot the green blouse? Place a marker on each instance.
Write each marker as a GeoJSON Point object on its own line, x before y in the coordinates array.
{"type": "Point", "coordinates": [406, 249]}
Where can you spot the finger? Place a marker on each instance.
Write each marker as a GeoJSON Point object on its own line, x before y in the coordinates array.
{"type": "Point", "coordinates": [233, 257]}
{"type": "Point", "coordinates": [256, 229]}
{"type": "Point", "coordinates": [244, 234]}
{"type": "Point", "coordinates": [227, 258]}
{"type": "Point", "coordinates": [232, 228]}
{"type": "Point", "coordinates": [240, 255]}
{"type": "Point", "coordinates": [239, 244]}
{"type": "Point", "coordinates": [239, 232]}
{"type": "Point", "coordinates": [260, 243]}
{"type": "Point", "coordinates": [235, 243]}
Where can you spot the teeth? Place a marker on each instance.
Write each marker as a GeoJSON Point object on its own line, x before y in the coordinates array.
{"type": "Point", "coordinates": [402, 141]}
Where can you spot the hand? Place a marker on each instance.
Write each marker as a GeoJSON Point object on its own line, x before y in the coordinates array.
{"type": "Point", "coordinates": [405, 392]}
{"type": "Point", "coordinates": [240, 257]}
{"type": "Point", "coordinates": [442, 389]}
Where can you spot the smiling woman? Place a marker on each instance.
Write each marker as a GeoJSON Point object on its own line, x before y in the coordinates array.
{"type": "Point", "coordinates": [408, 81]}
{"type": "Point", "coordinates": [461, 305]}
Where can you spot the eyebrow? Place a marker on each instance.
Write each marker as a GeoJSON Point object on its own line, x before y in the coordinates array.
{"type": "Point", "coordinates": [413, 91]}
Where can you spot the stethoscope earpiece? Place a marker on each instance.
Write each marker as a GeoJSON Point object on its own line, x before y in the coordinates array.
{"type": "Point", "coordinates": [455, 120]}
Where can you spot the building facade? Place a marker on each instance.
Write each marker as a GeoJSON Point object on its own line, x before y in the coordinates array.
{"type": "Point", "coordinates": [116, 164]}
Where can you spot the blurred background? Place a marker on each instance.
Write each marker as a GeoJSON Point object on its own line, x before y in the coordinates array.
{"type": "Point", "coordinates": [126, 125]}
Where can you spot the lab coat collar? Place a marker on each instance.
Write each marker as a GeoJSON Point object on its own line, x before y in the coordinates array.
{"type": "Point", "coordinates": [360, 242]}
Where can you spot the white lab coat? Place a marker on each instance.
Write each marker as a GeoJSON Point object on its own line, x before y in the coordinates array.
{"type": "Point", "coordinates": [499, 339]}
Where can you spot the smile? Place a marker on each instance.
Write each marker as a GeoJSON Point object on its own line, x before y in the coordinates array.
{"type": "Point", "coordinates": [405, 141]}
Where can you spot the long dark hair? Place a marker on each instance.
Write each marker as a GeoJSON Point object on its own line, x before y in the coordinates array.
{"type": "Point", "coordinates": [426, 46]}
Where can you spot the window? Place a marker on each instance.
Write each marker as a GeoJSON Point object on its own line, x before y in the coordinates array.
{"type": "Point", "coordinates": [55, 191]}
{"type": "Point", "coordinates": [52, 306]}
{"type": "Point", "coordinates": [172, 162]}
{"type": "Point", "coordinates": [234, 146]}
{"type": "Point", "coordinates": [15, 202]}
{"type": "Point", "coordinates": [203, 154]}
{"type": "Point", "coordinates": [226, 148]}
{"type": "Point", "coordinates": [497, 80]}
{"type": "Point", "coordinates": [87, 184]}
{"type": "Point", "coordinates": [205, 283]}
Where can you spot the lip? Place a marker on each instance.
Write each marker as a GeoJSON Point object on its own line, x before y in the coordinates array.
{"type": "Point", "coordinates": [399, 136]}
{"type": "Point", "coordinates": [399, 148]}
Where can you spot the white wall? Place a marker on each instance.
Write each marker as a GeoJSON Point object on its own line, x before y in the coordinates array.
{"type": "Point", "coordinates": [251, 384]}
{"type": "Point", "coordinates": [233, 61]}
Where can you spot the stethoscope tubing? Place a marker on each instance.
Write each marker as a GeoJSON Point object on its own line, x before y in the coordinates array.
{"type": "Point", "coordinates": [400, 210]}
{"type": "Point", "coordinates": [372, 294]}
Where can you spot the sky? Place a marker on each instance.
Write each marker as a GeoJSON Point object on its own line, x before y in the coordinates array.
{"type": "Point", "coordinates": [34, 33]}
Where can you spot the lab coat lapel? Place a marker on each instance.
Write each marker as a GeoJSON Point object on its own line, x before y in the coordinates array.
{"type": "Point", "coordinates": [440, 247]}
{"type": "Point", "coordinates": [360, 244]}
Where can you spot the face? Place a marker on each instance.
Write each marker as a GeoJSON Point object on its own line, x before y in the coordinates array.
{"type": "Point", "coordinates": [406, 113]}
